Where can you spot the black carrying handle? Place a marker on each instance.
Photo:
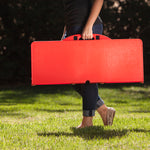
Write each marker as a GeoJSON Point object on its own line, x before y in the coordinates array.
{"type": "Point", "coordinates": [95, 37]}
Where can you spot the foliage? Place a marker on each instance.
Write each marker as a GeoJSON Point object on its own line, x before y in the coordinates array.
{"type": "Point", "coordinates": [125, 18]}
{"type": "Point", "coordinates": [24, 21]}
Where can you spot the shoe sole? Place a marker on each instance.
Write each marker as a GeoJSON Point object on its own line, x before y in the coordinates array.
{"type": "Point", "coordinates": [110, 116]}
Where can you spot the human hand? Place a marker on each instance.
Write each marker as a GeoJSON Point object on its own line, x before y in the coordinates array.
{"type": "Point", "coordinates": [87, 33]}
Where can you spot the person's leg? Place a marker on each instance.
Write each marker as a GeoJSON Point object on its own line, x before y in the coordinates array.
{"type": "Point", "coordinates": [91, 99]}
{"type": "Point", "coordinates": [89, 92]}
{"type": "Point", "coordinates": [106, 113]}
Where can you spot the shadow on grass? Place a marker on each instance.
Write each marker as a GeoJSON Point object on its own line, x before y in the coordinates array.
{"type": "Point", "coordinates": [59, 110]}
{"type": "Point", "coordinates": [140, 111]}
{"type": "Point", "coordinates": [96, 132]}
{"type": "Point", "coordinates": [144, 95]}
{"type": "Point", "coordinates": [137, 91]}
{"type": "Point", "coordinates": [13, 115]}
{"type": "Point", "coordinates": [28, 94]}
{"type": "Point", "coordinates": [121, 85]}
{"type": "Point", "coordinates": [140, 130]}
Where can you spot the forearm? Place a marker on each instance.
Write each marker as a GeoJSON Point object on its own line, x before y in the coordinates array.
{"type": "Point", "coordinates": [63, 33]}
{"type": "Point", "coordinates": [95, 10]}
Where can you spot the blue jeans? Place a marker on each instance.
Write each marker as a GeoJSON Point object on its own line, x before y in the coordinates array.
{"type": "Point", "coordinates": [88, 91]}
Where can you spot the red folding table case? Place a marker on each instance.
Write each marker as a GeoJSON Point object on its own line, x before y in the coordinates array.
{"type": "Point", "coordinates": [72, 61]}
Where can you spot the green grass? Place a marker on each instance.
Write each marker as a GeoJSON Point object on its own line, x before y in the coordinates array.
{"type": "Point", "coordinates": [45, 117]}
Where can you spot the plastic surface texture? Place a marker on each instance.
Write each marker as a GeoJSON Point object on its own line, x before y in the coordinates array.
{"type": "Point", "coordinates": [73, 61]}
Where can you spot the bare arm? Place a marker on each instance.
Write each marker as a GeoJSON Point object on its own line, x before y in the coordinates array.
{"type": "Point", "coordinates": [95, 10]}
{"type": "Point", "coordinates": [63, 33]}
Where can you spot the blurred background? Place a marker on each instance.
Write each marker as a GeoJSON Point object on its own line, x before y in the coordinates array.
{"type": "Point", "coordinates": [25, 21]}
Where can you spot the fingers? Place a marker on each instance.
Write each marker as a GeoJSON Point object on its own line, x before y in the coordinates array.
{"type": "Point", "coordinates": [86, 36]}
{"type": "Point", "coordinates": [87, 33]}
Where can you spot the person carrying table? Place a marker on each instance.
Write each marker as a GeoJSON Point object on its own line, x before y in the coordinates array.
{"type": "Point", "coordinates": [82, 17]}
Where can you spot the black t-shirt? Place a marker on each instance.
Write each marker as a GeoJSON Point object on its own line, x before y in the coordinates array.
{"type": "Point", "coordinates": [77, 12]}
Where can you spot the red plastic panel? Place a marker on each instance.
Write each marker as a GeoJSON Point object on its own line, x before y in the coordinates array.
{"type": "Point", "coordinates": [76, 61]}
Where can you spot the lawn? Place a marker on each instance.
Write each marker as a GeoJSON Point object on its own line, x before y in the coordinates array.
{"type": "Point", "coordinates": [45, 117]}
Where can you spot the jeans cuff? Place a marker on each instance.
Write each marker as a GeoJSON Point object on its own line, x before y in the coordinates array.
{"type": "Point", "coordinates": [99, 103]}
{"type": "Point", "coordinates": [88, 113]}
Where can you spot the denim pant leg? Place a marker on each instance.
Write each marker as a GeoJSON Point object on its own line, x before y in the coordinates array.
{"type": "Point", "coordinates": [98, 29]}
{"type": "Point", "coordinates": [89, 92]}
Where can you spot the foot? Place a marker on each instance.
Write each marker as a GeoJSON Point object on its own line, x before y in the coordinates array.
{"type": "Point", "coordinates": [107, 114]}
{"type": "Point", "coordinates": [102, 110]}
{"type": "Point", "coordinates": [110, 116]}
{"type": "Point", "coordinates": [86, 122]}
